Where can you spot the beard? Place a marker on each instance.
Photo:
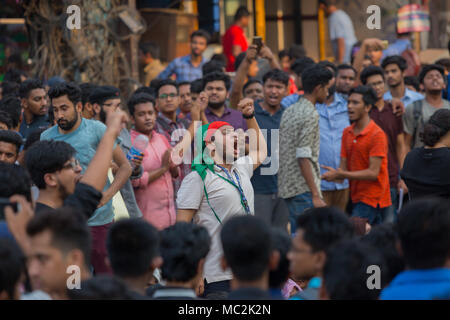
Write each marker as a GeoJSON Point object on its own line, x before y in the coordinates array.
{"type": "Point", "coordinates": [66, 125]}
{"type": "Point", "coordinates": [216, 105]}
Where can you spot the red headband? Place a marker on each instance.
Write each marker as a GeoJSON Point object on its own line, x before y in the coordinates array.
{"type": "Point", "coordinates": [213, 127]}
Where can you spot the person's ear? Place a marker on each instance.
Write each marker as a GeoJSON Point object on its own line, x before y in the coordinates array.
{"type": "Point", "coordinates": [108, 263]}
{"type": "Point", "coordinates": [50, 179]}
{"type": "Point", "coordinates": [24, 103]}
{"type": "Point", "coordinates": [320, 258]}
{"type": "Point", "coordinates": [274, 260]}
{"type": "Point", "coordinates": [223, 263]}
{"type": "Point", "coordinates": [76, 257]}
{"type": "Point", "coordinates": [97, 108]}
{"type": "Point", "coordinates": [79, 107]}
{"type": "Point", "coordinates": [157, 262]}
{"type": "Point", "coordinates": [323, 294]}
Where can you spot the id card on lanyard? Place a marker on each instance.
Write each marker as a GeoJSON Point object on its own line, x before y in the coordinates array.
{"type": "Point", "coordinates": [238, 187]}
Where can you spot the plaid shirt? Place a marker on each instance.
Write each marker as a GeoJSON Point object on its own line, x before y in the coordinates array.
{"type": "Point", "coordinates": [183, 69]}
{"type": "Point", "coordinates": [174, 132]}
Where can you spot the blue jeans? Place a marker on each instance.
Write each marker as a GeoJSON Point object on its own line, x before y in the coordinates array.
{"type": "Point", "coordinates": [374, 215]}
{"type": "Point", "coordinates": [297, 205]}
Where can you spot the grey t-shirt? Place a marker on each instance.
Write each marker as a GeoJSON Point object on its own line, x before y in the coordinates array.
{"type": "Point", "coordinates": [415, 127]}
{"type": "Point", "coordinates": [340, 26]}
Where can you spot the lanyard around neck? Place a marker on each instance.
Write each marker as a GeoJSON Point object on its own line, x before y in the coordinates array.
{"type": "Point", "coordinates": [238, 186]}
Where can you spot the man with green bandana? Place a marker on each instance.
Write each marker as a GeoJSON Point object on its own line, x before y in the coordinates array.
{"type": "Point", "coordinates": [219, 188]}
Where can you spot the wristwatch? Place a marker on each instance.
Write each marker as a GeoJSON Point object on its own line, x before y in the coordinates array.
{"type": "Point", "coordinates": [250, 116]}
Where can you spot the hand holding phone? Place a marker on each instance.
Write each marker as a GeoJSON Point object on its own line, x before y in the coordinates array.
{"type": "Point", "coordinates": [258, 42]}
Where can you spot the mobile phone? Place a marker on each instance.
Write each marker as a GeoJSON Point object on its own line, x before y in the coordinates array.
{"type": "Point", "coordinates": [258, 42]}
{"type": "Point", "coordinates": [4, 202]}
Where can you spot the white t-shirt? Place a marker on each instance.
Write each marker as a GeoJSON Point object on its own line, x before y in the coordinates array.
{"type": "Point", "coordinates": [226, 202]}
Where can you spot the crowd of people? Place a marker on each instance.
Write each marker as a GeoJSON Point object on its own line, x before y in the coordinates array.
{"type": "Point", "coordinates": [248, 176]}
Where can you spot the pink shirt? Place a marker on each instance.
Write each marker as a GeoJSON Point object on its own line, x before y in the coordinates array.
{"type": "Point", "coordinates": [156, 200]}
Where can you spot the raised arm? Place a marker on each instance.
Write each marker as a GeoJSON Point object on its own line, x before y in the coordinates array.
{"type": "Point", "coordinates": [257, 145]}
{"type": "Point", "coordinates": [97, 171]}
{"type": "Point", "coordinates": [241, 75]}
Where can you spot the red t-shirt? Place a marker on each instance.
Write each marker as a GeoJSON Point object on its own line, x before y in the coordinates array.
{"type": "Point", "coordinates": [233, 37]}
{"type": "Point", "coordinates": [358, 149]}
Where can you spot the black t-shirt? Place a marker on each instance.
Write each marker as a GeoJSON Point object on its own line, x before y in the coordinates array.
{"type": "Point", "coordinates": [426, 172]}
{"type": "Point", "coordinates": [85, 198]}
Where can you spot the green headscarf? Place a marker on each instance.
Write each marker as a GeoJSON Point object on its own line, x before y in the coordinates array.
{"type": "Point", "coordinates": [202, 160]}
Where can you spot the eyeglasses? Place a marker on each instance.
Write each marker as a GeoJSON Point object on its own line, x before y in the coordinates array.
{"type": "Point", "coordinates": [165, 96]}
{"type": "Point", "coordinates": [74, 164]}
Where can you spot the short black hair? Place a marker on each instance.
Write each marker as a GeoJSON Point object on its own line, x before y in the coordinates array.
{"type": "Point", "coordinates": [137, 99]}
{"type": "Point", "coordinates": [183, 245]}
{"type": "Point", "coordinates": [197, 86]}
{"type": "Point", "coordinates": [398, 60]}
{"type": "Point", "coordinates": [345, 274]}
{"type": "Point", "coordinates": [250, 82]}
{"type": "Point", "coordinates": [86, 90]}
{"type": "Point", "coordinates": [12, 262]}
{"type": "Point", "coordinates": [47, 156]}
{"type": "Point", "coordinates": [276, 75]}
{"type": "Point", "coordinates": [14, 180]}
{"type": "Point", "coordinates": [166, 82]}
{"type": "Point", "coordinates": [10, 88]}
{"type": "Point", "coordinates": [283, 53]}
{"type": "Point", "coordinates": [150, 47]}
{"type": "Point", "coordinates": [314, 76]}
{"type": "Point", "coordinates": [324, 227]}
{"type": "Point", "coordinates": [11, 137]}
{"type": "Point", "coordinates": [301, 64]}
{"type": "Point", "coordinates": [212, 66]}
{"type": "Point", "coordinates": [5, 118]}
{"type": "Point", "coordinates": [384, 238]}
{"type": "Point", "coordinates": [237, 62]}
{"type": "Point", "coordinates": [423, 227]}
{"type": "Point", "coordinates": [184, 83]}
{"type": "Point", "coordinates": [369, 72]}
{"type": "Point", "coordinates": [132, 244]}
{"type": "Point", "coordinates": [369, 95]}
{"type": "Point", "coordinates": [444, 62]}
{"type": "Point", "coordinates": [13, 75]}
{"type": "Point", "coordinates": [12, 106]}
{"type": "Point", "coordinates": [71, 89]}
{"type": "Point", "coordinates": [33, 137]}
{"type": "Point", "coordinates": [329, 65]}
{"type": "Point", "coordinates": [296, 51]}
{"type": "Point", "coordinates": [344, 67]}
{"type": "Point", "coordinates": [68, 228]}
{"type": "Point", "coordinates": [201, 33]}
{"type": "Point", "coordinates": [217, 76]}
{"type": "Point", "coordinates": [412, 81]}
{"type": "Point", "coordinates": [246, 242]}
{"type": "Point", "coordinates": [28, 85]}
{"type": "Point", "coordinates": [428, 68]}
{"type": "Point", "coordinates": [219, 57]}
{"type": "Point", "coordinates": [241, 12]}
{"type": "Point", "coordinates": [281, 242]}
{"type": "Point", "coordinates": [437, 126]}
{"type": "Point", "coordinates": [145, 89]}
{"type": "Point", "coordinates": [102, 287]}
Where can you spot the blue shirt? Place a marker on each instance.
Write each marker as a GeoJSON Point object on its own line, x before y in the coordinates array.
{"type": "Point", "coordinates": [418, 285]}
{"type": "Point", "coordinates": [290, 100]}
{"type": "Point", "coordinates": [38, 122]}
{"type": "Point", "coordinates": [333, 119]}
{"type": "Point", "coordinates": [183, 69]}
{"type": "Point", "coordinates": [409, 97]}
{"type": "Point", "coordinates": [340, 26]}
{"type": "Point", "coordinates": [397, 48]}
{"type": "Point", "coordinates": [267, 183]}
{"type": "Point", "coordinates": [85, 141]}
{"type": "Point", "coordinates": [448, 87]}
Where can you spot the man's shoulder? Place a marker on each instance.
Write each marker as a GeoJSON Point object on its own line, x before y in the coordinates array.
{"type": "Point", "coordinates": [50, 133]}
